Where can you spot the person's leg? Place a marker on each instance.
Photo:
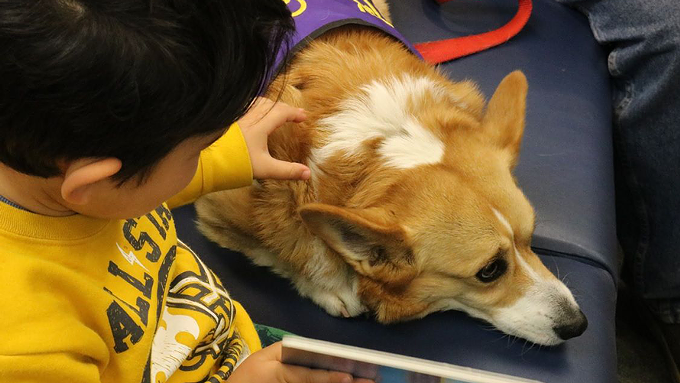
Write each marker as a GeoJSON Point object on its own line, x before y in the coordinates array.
{"type": "Point", "coordinates": [643, 39]}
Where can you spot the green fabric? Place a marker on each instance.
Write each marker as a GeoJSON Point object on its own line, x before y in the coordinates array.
{"type": "Point", "coordinates": [269, 335]}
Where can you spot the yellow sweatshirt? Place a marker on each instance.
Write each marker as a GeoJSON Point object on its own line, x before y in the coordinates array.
{"type": "Point", "coordinates": [95, 300]}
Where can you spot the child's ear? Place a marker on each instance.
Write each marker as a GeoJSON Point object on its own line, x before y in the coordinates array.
{"type": "Point", "coordinates": [81, 175]}
{"type": "Point", "coordinates": [504, 117]}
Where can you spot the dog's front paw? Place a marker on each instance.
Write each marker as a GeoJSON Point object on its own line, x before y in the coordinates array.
{"type": "Point", "coordinates": [345, 305]}
{"type": "Point", "coordinates": [341, 303]}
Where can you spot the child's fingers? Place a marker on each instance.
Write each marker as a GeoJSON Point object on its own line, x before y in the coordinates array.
{"type": "Point", "coordinates": [282, 170]}
{"type": "Point", "coordinates": [279, 115]}
{"type": "Point", "coordinates": [273, 351]}
{"type": "Point", "coordinates": [296, 374]}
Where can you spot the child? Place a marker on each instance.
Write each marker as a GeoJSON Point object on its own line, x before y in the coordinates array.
{"type": "Point", "coordinates": [105, 111]}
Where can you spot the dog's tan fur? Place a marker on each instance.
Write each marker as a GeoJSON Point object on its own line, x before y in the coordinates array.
{"type": "Point", "coordinates": [400, 243]}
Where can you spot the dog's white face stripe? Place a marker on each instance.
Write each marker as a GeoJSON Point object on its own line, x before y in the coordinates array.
{"type": "Point", "coordinates": [381, 111]}
{"type": "Point", "coordinates": [540, 309]}
{"type": "Point", "coordinates": [520, 260]}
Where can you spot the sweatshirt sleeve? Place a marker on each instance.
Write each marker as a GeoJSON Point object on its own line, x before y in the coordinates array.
{"type": "Point", "coordinates": [223, 165]}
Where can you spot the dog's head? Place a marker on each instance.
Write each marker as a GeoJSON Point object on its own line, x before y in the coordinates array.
{"type": "Point", "coordinates": [433, 220]}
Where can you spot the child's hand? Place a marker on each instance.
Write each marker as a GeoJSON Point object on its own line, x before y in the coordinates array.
{"type": "Point", "coordinates": [262, 119]}
{"type": "Point", "coordinates": [265, 366]}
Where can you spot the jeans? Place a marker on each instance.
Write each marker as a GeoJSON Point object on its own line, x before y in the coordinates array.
{"type": "Point", "coordinates": [643, 41]}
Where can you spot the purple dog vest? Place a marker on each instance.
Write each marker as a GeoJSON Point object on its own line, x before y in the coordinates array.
{"type": "Point", "coordinates": [318, 16]}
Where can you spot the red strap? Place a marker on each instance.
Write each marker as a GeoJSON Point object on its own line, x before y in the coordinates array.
{"type": "Point", "coordinates": [436, 52]}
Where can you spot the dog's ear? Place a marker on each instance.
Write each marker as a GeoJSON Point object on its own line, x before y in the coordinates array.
{"type": "Point", "coordinates": [504, 117]}
{"type": "Point", "coordinates": [372, 246]}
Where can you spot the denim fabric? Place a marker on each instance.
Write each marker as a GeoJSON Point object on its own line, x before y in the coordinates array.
{"type": "Point", "coordinates": [643, 40]}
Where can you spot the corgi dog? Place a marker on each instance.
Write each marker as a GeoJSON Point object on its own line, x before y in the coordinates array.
{"type": "Point", "coordinates": [411, 208]}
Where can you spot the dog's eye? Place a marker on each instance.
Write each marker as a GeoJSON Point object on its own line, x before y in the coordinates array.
{"type": "Point", "coordinates": [492, 271]}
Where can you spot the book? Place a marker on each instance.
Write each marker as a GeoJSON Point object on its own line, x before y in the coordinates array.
{"type": "Point", "coordinates": [382, 367]}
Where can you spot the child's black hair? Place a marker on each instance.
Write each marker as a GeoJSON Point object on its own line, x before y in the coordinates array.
{"type": "Point", "coordinates": [129, 79]}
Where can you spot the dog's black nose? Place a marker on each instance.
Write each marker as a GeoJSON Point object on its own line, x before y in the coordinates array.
{"type": "Point", "coordinates": [573, 328]}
